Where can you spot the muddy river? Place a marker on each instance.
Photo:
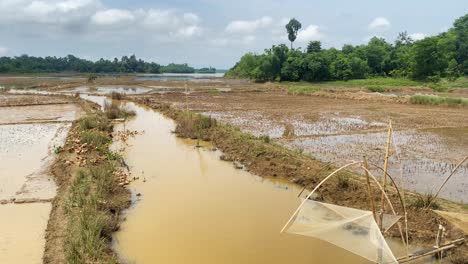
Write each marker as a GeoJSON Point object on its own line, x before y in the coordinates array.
{"type": "Point", "coordinates": [191, 207]}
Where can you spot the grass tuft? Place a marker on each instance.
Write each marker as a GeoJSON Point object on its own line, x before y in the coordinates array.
{"type": "Point", "coordinates": [115, 110]}
{"type": "Point", "coordinates": [439, 100]}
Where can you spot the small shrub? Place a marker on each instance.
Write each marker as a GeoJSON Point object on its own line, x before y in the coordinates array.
{"type": "Point", "coordinates": [376, 89]}
{"type": "Point", "coordinates": [116, 110]}
{"type": "Point", "coordinates": [214, 92]}
{"type": "Point", "coordinates": [117, 96]}
{"type": "Point", "coordinates": [58, 149]}
{"type": "Point", "coordinates": [423, 200]}
{"type": "Point", "coordinates": [96, 138]}
{"type": "Point", "coordinates": [265, 138]}
{"type": "Point", "coordinates": [434, 78]}
{"type": "Point", "coordinates": [343, 181]}
{"type": "Point", "coordinates": [439, 88]}
{"type": "Point", "coordinates": [99, 122]}
{"type": "Point", "coordinates": [288, 130]}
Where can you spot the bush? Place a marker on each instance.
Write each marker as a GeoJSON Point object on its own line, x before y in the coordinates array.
{"type": "Point", "coordinates": [376, 89]}
{"type": "Point", "coordinates": [97, 139]}
{"type": "Point", "coordinates": [423, 200]}
{"type": "Point", "coordinates": [99, 122]}
{"type": "Point", "coordinates": [117, 96]}
{"type": "Point", "coordinates": [115, 110]}
{"type": "Point", "coordinates": [439, 88]}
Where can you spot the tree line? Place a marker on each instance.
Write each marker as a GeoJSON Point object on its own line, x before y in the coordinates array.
{"type": "Point", "coordinates": [432, 58]}
{"type": "Point", "coordinates": [70, 63]}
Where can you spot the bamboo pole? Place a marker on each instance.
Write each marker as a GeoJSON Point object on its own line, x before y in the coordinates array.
{"type": "Point", "coordinates": [369, 191]}
{"type": "Point", "coordinates": [384, 178]}
{"type": "Point", "coordinates": [446, 180]}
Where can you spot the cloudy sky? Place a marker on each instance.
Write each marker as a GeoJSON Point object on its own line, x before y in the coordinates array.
{"type": "Point", "coordinates": [207, 32]}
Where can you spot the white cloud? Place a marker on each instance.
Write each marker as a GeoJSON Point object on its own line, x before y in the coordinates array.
{"type": "Point", "coordinates": [112, 17]}
{"type": "Point", "coordinates": [418, 36]}
{"type": "Point", "coordinates": [311, 32]}
{"type": "Point", "coordinates": [380, 24]}
{"type": "Point", "coordinates": [3, 51]}
{"type": "Point", "coordinates": [248, 26]}
{"type": "Point", "coordinates": [47, 11]}
{"type": "Point", "coordinates": [171, 22]}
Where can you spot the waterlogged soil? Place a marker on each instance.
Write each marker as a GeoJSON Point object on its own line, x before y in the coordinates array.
{"type": "Point", "coordinates": [430, 140]}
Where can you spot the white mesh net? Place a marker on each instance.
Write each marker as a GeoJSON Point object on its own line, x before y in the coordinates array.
{"type": "Point", "coordinates": [351, 229]}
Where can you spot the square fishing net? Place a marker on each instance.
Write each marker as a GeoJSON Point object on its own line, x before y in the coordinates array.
{"type": "Point", "coordinates": [351, 229]}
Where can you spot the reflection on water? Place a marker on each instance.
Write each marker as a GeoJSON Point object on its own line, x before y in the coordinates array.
{"type": "Point", "coordinates": [195, 208]}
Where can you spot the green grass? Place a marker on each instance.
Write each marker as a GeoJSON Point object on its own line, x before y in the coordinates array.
{"type": "Point", "coordinates": [380, 81]}
{"type": "Point", "coordinates": [97, 139]}
{"type": "Point", "coordinates": [439, 88]}
{"type": "Point", "coordinates": [88, 237]}
{"type": "Point", "coordinates": [459, 83]}
{"type": "Point", "coordinates": [303, 89]}
{"type": "Point", "coordinates": [439, 100]}
{"type": "Point", "coordinates": [214, 92]}
{"type": "Point", "coordinates": [376, 89]}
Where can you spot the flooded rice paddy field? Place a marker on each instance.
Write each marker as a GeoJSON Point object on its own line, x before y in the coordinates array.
{"type": "Point", "coordinates": [430, 140]}
{"type": "Point", "coordinates": [29, 134]}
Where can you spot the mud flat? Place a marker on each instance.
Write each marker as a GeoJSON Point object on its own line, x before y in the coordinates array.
{"type": "Point", "coordinates": [29, 137]}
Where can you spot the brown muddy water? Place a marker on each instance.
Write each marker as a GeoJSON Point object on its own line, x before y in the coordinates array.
{"type": "Point", "coordinates": [192, 207]}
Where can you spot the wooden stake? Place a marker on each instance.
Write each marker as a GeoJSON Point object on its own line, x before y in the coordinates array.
{"type": "Point", "coordinates": [384, 178]}
{"type": "Point", "coordinates": [369, 191]}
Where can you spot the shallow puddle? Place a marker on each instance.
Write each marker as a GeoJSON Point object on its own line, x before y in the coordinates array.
{"type": "Point", "coordinates": [194, 208]}
{"type": "Point", "coordinates": [22, 230]}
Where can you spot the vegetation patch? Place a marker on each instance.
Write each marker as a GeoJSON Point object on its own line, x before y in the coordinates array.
{"type": "Point", "coordinates": [87, 208]}
{"type": "Point", "coordinates": [376, 89]}
{"type": "Point", "coordinates": [116, 110]}
{"type": "Point", "coordinates": [303, 89]}
{"type": "Point", "coordinates": [426, 99]}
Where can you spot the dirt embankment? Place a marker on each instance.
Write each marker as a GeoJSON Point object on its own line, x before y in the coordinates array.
{"type": "Point", "coordinates": [89, 198]}
{"type": "Point", "coordinates": [265, 158]}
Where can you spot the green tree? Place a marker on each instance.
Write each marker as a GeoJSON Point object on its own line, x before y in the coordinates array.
{"type": "Point", "coordinates": [453, 70]}
{"type": "Point", "coordinates": [292, 28]}
{"type": "Point", "coordinates": [460, 27]}
{"type": "Point", "coordinates": [314, 46]}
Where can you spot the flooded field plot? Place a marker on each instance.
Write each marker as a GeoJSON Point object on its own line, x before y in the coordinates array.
{"type": "Point", "coordinates": [22, 230]}
{"type": "Point", "coordinates": [31, 144]}
{"type": "Point", "coordinates": [26, 100]}
{"type": "Point", "coordinates": [29, 136]}
{"type": "Point", "coordinates": [39, 113]}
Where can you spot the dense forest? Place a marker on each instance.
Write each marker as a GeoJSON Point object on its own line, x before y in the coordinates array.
{"type": "Point", "coordinates": [70, 63]}
{"type": "Point", "coordinates": [432, 58]}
